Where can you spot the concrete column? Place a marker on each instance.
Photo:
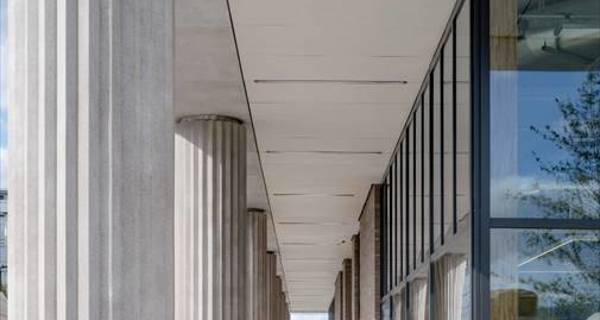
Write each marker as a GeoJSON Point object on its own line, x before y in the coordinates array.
{"type": "Point", "coordinates": [356, 277]}
{"type": "Point", "coordinates": [347, 289]}
{"type": "Point", "coordinates": [270, 286]}
{"type": "Point", "coordinates": [281, 305]}
{"type": "Point", "coordinates": [278, 298]}
{"type": "Point", "coordinates": [91, 158]}
{"type": "Point", "coordinates": [210, 218]}
{"type": "Point", "coordinates": [257, 264]}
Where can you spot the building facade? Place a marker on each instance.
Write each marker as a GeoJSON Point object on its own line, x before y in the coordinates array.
{"type": "Point", "coordinates": [490, 203]}
{"type": "Point", "coordinates": [232, 178]}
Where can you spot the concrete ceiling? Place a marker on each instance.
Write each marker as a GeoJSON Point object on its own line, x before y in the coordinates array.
{"type": "Point", "coordinates": [329, 84]}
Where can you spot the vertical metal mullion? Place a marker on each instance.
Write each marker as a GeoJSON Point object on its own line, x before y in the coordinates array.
{"type": "Point", "coordinates": [394, 227]}
{"type": "Point", "coordinates": [480, 156]}
{"type": "Point", "coordinates": [397, 264]}
{"type": "Point", "coordinates": [422, 177]}
{"type": "Point", "coordinates": [382, 213]}
{"type": "Point", "coordinates": [441, 65]}
{"type": "Point", "coordinates": [414, 188]}
{"type": "Point", "coordinates": [431, 166]}
{"type": "Point", "coordinates": [401, 211]}
{"type": "Point", "coordinates": [406, 192]}
{"type": "Point", "coordinates": [454, 129]}
{"type": "Point", "coordinates": [389, 233]}
{"type": "Point", "coordinates": [391, 228]}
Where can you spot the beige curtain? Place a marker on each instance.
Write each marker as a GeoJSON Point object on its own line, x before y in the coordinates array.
{"type": "Point", "coordinates": [399, 306]}
{"type": "Point", "coordinates": [419, 300]}
{"type": "Point", "coordinates": [450, 274]}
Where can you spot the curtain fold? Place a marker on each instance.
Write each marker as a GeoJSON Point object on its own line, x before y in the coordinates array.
{"type": "Point", "coordinates": [449, 276]}
{"type": "Point", "coordinates": [419, 300]}
{"type": "Point", "coordinates": [399, 306]}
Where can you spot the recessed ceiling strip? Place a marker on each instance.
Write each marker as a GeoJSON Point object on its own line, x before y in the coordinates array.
{"type": "Point", "coordinates": [323, 152]}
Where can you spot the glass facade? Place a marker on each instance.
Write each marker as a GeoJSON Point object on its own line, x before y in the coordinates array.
{"type": "Point", "coordinates": [426, 238]}
{"type": "Point", "coordinates": [545, 274]}
{"type": "Point", "coordinates": [544, 112]}
{"type": "Point", "coordinates": [543, 201]}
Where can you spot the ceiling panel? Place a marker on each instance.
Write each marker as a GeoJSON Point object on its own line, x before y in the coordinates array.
{"type": "Point", "coordinates": [330, 84]}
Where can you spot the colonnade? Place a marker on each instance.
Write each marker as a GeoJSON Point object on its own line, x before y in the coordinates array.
{"type": "Point", "coordinates": [117, 210]}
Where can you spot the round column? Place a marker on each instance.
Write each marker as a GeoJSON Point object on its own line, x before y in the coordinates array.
{"type": "Point", "coordinates": [257, 264]}
{"type": "Point", "coordinates": [210, 218]}
{"type": "Point", "coordinates": [271, 279]}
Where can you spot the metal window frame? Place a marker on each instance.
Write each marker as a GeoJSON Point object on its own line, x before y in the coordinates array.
{"type": "Point", "coordinates": [398, 167]}
{"type": "Point", "coordinates": [483, 223]}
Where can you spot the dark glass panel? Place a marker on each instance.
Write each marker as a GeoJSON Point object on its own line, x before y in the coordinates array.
{"type": "Point", "coordinates": [418, 184]}
{"type": "Point", "coordinates": [437, 178]}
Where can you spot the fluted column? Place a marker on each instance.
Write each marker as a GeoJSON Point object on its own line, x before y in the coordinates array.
{"type": "Point", "coordinates": [257, 264]}
{"type": "Point", "coordinates": [277, 296]}
{"type": "Point", "coordinates": [210, 219]}
{"type": "Point", "coordinates": [271, 283]}
{"type": "Point", "coordinates": [91, 127]}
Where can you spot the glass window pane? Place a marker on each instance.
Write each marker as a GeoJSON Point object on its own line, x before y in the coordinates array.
{"type": "Point", "coordinates": [418, 184]}
{"type": "Point", "coordinates": [404, 210]}
{"type": "Point", "coordinates": [463, 118]}
{"type": "Point", "coordinates": [411, 199]}
{"type": "Point", "coordinates": [437, 187]}
{"type": "Point", "coordinates": [386, 310]}
{"type": "Point", "coordinates": [398, 235]}
{"type": "Point", "coordinates": [545, 274]}
{"type": "Point", "coordinates": [426, 171]}
{"type": "Point", "coordinates": [545, 109]}
{"type": "Point", "coordinates": [448, 137]}
{"type": "Point", "coordinates": [407, 218]}
{"type": "Point", "coordinates": [387, 241]}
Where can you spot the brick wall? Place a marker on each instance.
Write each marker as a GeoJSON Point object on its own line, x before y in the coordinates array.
{"type": "Point", "coordinates": [369, 257]}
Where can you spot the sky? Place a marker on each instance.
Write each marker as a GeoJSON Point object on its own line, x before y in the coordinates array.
{"type": "Point", "coordinates": [309, 316]}
{"type": "Point", "coordinates": [3, 106]}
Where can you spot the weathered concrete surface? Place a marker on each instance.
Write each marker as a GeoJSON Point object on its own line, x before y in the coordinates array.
{"type": "Point", "coordinates": [210, 219]}
{"type": "Point", "coordinates": [91, 158]}
{"type": "Point", "coordinates": [257, 265]}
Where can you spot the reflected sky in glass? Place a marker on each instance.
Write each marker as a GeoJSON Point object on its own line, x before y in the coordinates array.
{"type": "Point", "coordinates": [3, 106]}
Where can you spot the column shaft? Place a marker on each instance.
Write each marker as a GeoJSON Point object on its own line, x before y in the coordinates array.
{"type": "Point", "coordinates": [90, 92]}
{"type": "Point", "coordinates": [210, 219]}
{"type": "Point", "coordinates": [271, 282]}
{"type": "Point", "coordinates": [257, 264]}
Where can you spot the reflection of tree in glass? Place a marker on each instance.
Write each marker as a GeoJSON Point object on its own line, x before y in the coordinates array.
{"type": "Point", "coordinates": [578, 175]}
{"type": "Point", "coordinates": [574, 294]}
{"type": "Point", "coordinates": [572, 291]}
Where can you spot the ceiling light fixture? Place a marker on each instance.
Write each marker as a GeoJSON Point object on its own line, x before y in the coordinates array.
{"type": "Point", "coordinates": [330, 81]}
{"type": "Point", "coordinates": [299, 223]}
{"type": "Point", "coordinates": [323, 152]}
{"type": "Point", "coordinates": [313, 194]}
